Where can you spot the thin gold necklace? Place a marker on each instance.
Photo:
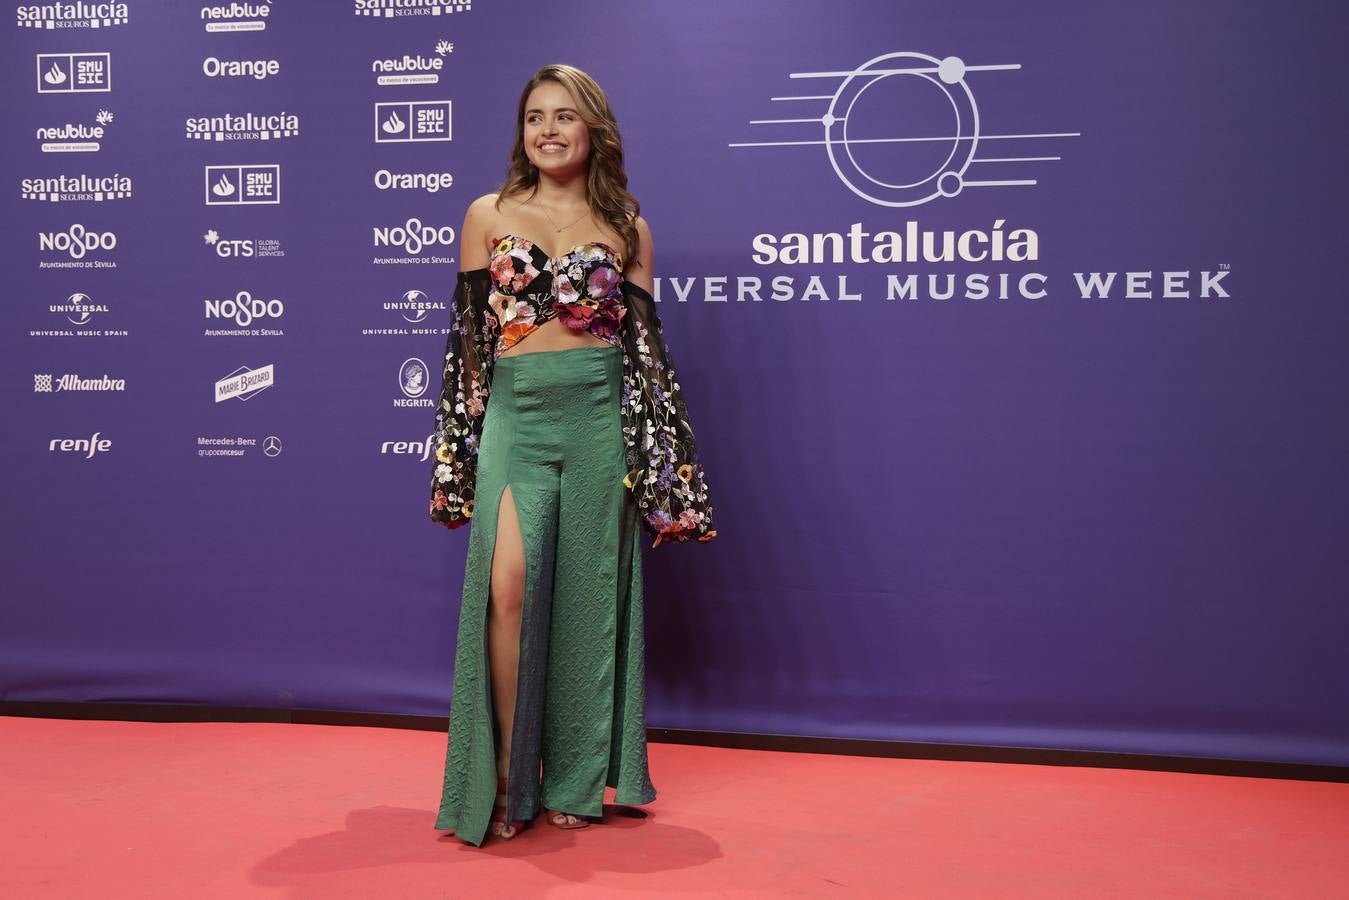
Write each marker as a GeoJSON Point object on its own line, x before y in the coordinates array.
{"type": "Point", "coordinates": [556, 229]}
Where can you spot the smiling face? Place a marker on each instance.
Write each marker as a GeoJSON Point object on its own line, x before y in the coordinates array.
{"type": "Point", "coordinates": [555, 138]}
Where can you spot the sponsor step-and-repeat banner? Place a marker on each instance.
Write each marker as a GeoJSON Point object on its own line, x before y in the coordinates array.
{"type": "Point", "coordinates": [1011, 337]}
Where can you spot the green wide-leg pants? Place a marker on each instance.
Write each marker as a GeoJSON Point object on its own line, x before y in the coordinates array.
{"type": "Point", "coordinates": [552, 432]}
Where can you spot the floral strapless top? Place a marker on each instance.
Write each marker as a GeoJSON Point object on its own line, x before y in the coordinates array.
{"type": "Point", "coordinates": [580, 287]}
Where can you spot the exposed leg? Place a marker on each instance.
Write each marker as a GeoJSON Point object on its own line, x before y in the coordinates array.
{"type": "Point", "coordinates": [506, 601]}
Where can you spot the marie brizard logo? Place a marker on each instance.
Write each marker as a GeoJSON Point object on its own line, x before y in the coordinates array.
{"type": "Point", "coordinates": [930, 99]}
{"type": "Point", "coordinates": [244, 383]}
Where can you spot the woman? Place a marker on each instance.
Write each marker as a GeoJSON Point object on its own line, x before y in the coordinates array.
{"type": "Point", "coordinates": [561, 432]}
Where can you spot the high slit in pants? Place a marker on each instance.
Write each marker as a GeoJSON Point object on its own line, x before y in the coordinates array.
{"type": "Point", "coordinates": [552, 431]}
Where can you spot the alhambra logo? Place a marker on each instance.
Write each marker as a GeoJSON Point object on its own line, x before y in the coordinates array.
{"type": "Point", "coordinates": [943, 147]}
{"type": "Point", "coordinates": [46, 383]}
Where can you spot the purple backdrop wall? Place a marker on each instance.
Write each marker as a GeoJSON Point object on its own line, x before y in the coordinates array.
{"type": "Point", "coordinates": [1035, 521]}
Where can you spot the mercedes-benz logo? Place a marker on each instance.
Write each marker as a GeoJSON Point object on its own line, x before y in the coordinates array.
{"type": "Point", "coordinates": [272, 445]}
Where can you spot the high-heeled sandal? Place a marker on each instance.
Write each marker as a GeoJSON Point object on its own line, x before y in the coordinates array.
{"type": "Point", "coordinates": [554, 814]}
{"type": "Point", "coordinates": [498, 826]}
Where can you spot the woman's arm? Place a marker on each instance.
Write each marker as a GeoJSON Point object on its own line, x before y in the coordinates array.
{"type": "Point", "coordinates": [473, 237]}
{"type": "Point", "coordinates": [641, 271]}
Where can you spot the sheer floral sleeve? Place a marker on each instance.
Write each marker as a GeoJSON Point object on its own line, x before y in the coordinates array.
{"type": "Point", "coordinates": [664, 472]}
{"type": "Point", "coordinates": [469, 357]}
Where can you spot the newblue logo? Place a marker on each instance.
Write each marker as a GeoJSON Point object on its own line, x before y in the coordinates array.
{"type": "Point", "coordinates": [409, 69]}
{"type": "Point", "coordinates": [73, 137]}
{"type": "Point", "coordinates": [236, 16]}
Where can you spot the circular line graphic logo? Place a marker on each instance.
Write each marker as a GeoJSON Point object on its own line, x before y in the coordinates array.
{"type": "Point", "coordinates": [903, 129]}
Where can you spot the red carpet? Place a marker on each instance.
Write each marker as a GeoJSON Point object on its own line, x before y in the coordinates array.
{"type": "Point", "coordinates": [150, 810]}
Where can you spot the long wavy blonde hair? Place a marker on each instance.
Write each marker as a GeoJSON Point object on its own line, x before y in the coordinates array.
{"type": "Point", "coordinates": [606, 181]}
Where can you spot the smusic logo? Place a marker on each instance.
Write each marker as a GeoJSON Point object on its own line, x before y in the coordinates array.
{"type": "Point", "coordinates": [414, 121]}
{"type": "Point", "coordinates": [74, 73]}
{"type": "Point", "coordinates": [249, 185]}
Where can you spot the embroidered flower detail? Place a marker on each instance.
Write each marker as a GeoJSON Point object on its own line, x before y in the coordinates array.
{"type": "Point", "coordinates": [503, 305]}
{"type": "Point", "coordinates": [564, 289]}
{"type": "Point", "coordinates": [603, 282]}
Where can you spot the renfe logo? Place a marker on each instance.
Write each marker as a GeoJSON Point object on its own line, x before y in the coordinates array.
{"type": "Point", "coordinates": [88, 446]}
{"type": "Point", "coordinates": [930, 102]}
{"type": "Point", "coordinates": [420, 449]}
